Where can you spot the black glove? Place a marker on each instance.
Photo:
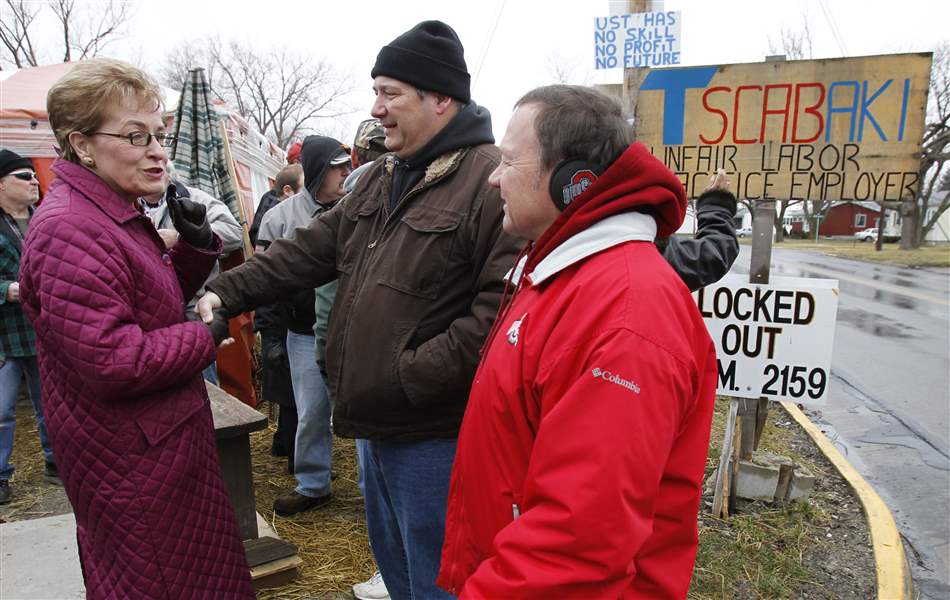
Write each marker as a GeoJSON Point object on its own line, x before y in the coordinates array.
{"type": "Point", "coordinates": [275, 353]}
{"type": "Point", "coordinates": [190, 220]}
{"type": "Point", "coordinates": [219, 326]}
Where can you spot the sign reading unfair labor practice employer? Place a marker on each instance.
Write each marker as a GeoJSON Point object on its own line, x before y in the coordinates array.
{"type": "Point", "coordinates": [650, 39]}
{"type": "Point", "coordinates": [836, 129]}
{"type": "Point", "coordinates": [772, 341]}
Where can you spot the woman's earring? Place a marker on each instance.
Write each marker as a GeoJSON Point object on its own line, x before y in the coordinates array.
{"type": "Point", "coordinates": [89, 161]}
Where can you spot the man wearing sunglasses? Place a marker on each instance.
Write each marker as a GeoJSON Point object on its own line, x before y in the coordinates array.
{"type": "Point", "coordinates": [19, 190]}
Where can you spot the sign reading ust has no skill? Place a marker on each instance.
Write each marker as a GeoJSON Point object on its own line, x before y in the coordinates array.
{"type": "Point", "coordinates": [773, 341]}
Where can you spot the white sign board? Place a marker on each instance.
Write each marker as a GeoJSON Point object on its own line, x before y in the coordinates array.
{"type": "Point", "coordinates": [772, 341]}
{"type": "Point", "coordinates": [650, 39]}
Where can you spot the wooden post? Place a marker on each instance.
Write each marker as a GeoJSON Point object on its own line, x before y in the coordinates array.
{"type": "Point", "coordinates": [880, 228]}
{"type": "Point", "coordinates": [721, 493]}
{"type": "Point", "coordinates": [233, 422]}
{"type": "Point", "coordinates": [622, 7]}
{"type": "Point", "coordinates": [762, 225]}
{"type": "Point", "coordinates": [751, 413]}
{"type": "Point", "coordinates": [746, 418]}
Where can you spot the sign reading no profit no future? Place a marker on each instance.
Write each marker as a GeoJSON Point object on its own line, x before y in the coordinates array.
{"type": "Point", "coordinates": [650, 39]}
{"type": "Point", "coordinates": [773, 341]}
{"type": "Point", "coordinates": [834, 129]}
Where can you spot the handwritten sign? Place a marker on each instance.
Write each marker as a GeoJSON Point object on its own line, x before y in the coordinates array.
{"type": "Point", "coordinates": [649, 39]}
{"type": "Point", "coordinates": [835, 129]}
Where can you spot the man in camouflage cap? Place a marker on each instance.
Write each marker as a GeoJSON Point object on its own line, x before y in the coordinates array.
{"type": "Point", "coordinates": [367, 147]}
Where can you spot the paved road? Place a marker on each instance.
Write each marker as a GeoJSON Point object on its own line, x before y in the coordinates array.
{"type": "Point", "coordinates": [889, 404]}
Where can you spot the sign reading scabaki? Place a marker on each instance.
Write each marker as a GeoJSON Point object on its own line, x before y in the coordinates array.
{"type": "Point", "coordinates": [835, 129]}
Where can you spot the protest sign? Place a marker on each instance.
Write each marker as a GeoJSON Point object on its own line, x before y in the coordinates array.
{"type": "Point", "coordinates": [772, 341]}
{"type": "Point", "coordinates": [835, 129]}
{"type": "Point", "coordinates": [650, 39]}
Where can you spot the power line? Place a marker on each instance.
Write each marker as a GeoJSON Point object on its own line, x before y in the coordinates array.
{"type": "Point", "coordinates": [491, 37]}
{"type": "Point", "coordinates": [835, 32]}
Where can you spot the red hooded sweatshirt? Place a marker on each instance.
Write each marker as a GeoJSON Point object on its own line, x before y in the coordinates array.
{"type": "Point", "coordinates": [581, 455]}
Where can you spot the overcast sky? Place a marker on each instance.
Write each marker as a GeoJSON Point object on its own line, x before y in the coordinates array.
{"type": "Point", "coordinates": [511, 44]}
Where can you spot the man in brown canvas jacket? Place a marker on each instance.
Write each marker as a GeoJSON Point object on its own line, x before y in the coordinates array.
{"type": "Point", "coordinates": [420, 255]}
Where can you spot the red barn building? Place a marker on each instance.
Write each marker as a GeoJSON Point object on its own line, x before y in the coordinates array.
{"type": "Point", "coordinates": [847, 218]}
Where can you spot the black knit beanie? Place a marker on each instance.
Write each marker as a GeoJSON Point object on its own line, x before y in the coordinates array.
{"type": "Point", "coordinates": [430, 57]}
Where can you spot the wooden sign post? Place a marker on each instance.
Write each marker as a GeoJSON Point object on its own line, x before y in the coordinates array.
{"type": "Point", "coordinates": [746, 418]}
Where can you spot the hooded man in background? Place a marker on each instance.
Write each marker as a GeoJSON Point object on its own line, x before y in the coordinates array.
{"type": "Point", "coordinates": [270, 323]}
{"type": "Point", "coordinates": [326, 163]}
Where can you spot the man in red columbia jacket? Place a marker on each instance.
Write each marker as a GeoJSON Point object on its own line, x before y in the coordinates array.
{"type": "Point", "coordinates": [581, 453]}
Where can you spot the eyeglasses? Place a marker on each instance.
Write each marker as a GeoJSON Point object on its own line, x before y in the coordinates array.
{"type": "Point", "coordinates": [25, 176]}
{"type": "Point", "coordinates": [140, 138]}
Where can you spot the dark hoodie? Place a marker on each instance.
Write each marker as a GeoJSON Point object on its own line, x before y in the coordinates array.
{"type": "Point", "coordinates": [315, 155]}
{"type": "Point", "coordinates": [470, 127]}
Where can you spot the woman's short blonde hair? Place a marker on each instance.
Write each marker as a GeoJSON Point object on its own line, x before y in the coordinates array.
{"type": "Point", "coordinates": [80, 100]}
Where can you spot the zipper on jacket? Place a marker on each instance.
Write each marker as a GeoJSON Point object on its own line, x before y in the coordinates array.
{"type": "Point", "coordinates": [515, 512]}
{"type": "Point", "coordinates": [359, 271]}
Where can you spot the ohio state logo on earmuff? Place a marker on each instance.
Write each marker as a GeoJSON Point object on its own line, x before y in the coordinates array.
{"type": "Point", "coordinates": [570, 179]}
{"type": "Point", "coordinates": [580, 181]}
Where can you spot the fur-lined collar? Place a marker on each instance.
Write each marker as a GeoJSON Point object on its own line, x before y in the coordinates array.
{"type": "Point", "coordinates": [436, 169]}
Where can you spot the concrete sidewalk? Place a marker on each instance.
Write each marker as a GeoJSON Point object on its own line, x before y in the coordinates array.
{"type": "Point", "coordinates": [39, 559]}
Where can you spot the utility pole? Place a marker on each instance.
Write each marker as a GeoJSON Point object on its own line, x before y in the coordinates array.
{"type": "Point", "coordinates": [622, 7]}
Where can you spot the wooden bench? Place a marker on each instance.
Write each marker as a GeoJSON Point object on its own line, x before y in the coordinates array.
{"type": "Point", "coordinates": [233, 422]}
{"type": "Point", "coordinates": [273, 561]}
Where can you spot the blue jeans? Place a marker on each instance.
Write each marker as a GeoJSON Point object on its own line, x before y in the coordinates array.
{"type": "Point", "coordinates": [361, 465]}
{"type": "Point", "coordinates": [210, 374]}
{"type": "Point", "coordinates": [407, 488]}
{"type": "Point", "coordinates": [314, 442]}
{"type": "Point", "coordinates": [11, 373]}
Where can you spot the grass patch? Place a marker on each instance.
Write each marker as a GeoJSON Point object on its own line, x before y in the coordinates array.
{"type": "Point", "coordinates": [927, 256]}
{"type": "Point", "coordinates": [757, 553]}
{"type": "Point", "coordinates": [776, 438]}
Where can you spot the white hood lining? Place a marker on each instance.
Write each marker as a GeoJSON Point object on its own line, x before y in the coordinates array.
{"type": "Point", "coordinates": [607, 233]}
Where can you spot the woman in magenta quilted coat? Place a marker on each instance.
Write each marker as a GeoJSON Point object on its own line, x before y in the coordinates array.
{"type": "Point", "coordinates": [127, 409]}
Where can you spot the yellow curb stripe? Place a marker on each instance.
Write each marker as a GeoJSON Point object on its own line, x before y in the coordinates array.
{"type": "Point", "coordinates": [893, 575]}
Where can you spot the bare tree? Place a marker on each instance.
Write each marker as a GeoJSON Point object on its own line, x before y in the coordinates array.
{"type": "Point", "coordinates": [282, 93]}
{"type": "Point", "coordinates": [86, 33]}
{"type": "Point", "coordinates": [561, 69]}
{"type": "Point", "coordinates": [934, 188]}
{"type": "Point", "coordinates": [794, 45]}
{"type": "Point", "coordinates": [174, 69]}
{"type": "Point", "coordinates": [85, 29]}
{"type": "Point", "coordinates": [15, 26]}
